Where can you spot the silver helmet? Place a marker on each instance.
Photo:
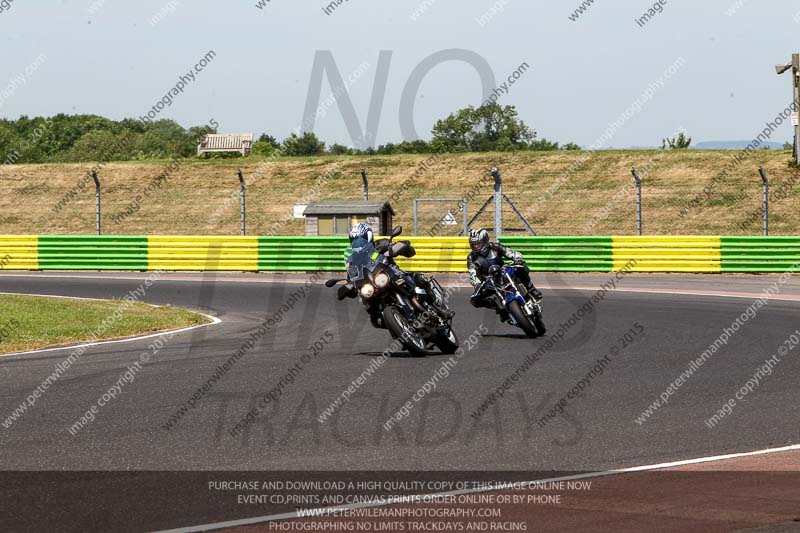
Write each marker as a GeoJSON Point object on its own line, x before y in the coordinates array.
{"type": "Point", "coordinates": [479, 240]}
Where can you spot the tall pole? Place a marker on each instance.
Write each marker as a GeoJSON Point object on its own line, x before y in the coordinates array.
{"type": "Point", "coordinates": [498, 203]}
{"type": "Point", "coordinates": [242, 201]}
{"type": "Point", "coordinates": [796, 83]}
{"type": "Point", "coordinates": [765, 181]}
{"type": "Point", "coordinates": [96, 201]}
{"type": "Point", "coordinates": [638, 201]}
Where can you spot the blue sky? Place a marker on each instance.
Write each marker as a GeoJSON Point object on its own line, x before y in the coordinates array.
{"type": "Point", "coordinates": [106, 57]}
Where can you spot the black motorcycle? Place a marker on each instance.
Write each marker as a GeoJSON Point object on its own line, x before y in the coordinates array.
{"type": "Point", "coordinates": [521, 308]}
{"type": "Point", "coordinates": [412, 314]}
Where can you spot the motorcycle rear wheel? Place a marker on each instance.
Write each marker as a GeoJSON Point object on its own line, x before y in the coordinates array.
{"type": "Point", "coordinates": [400, 329]}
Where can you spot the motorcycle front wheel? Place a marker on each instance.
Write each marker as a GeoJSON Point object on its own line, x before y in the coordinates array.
{"type": "Point", "coordinates": [400, 329]}
{"type": "Point", "coordinates": [538, 321]}
{"type": "Point", "coordinates": [522, 320]}
{"type": "Point", "coordinates": [447, 341]}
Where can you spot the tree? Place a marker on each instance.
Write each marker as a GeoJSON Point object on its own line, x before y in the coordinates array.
{"type": "Point", "coordinates": [73, 138]}
{"type": "Point", "coordinates": [387, 149]}
{"type": "Point", "coordinates": [680, 142]}
{"type": "Point", "coordinates": [269, 139]}
{"type": "Point", "coordinates": [306, 145]}
{"type": "Point", "coordinates": [340, 149]}
{"type": "Point", "coordinates": [98, 145]}
{"type": "Point", "coordinates": [487, 128]}
{"type": "Point", "coordinates": [542, 145]}
{"type": "Point", "coordinates": [264, 148]}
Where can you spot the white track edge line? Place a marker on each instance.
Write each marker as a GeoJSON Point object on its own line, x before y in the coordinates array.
{"type": "Point", "coordinates": [604, 473]}
{"type": "Point", "coordinates": [213, 321]}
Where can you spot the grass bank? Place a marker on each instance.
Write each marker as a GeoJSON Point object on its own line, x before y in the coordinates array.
{"type": "Point", "coordinates": [31, 322]}
{"type": "Point", "coordinates": [560, 193]}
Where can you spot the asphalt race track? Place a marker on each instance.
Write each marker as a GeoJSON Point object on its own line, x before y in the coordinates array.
{"type": "Point", "coordinates": [598, 430]}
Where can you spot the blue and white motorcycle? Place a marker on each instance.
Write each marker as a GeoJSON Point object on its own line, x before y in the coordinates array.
{"type": "Point", "coordinates": [521, 308]}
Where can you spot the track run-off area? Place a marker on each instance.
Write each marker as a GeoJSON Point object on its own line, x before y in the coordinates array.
{"type": "Point", "coordinates": [657, 369]}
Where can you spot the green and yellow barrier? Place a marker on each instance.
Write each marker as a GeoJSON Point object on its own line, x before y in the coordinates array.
{"type": "Point", "coordinates": [760, 254]}
{"type": "Point", "coordinates": [92, 252]}
{"type": "Point", "coordinates": [672, 253]}
{"type": "Point", "coordinates": [564, 253]}
{"type": "Point", "coordinates": [667, 253]}
{"type": "Point", "coordinates": [190, 252]}
{"type": "Point", "coordinates": [19, 252]}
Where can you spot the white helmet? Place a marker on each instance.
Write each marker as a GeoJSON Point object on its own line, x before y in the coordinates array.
{"type": "Point", "coordinates": [362, 230]}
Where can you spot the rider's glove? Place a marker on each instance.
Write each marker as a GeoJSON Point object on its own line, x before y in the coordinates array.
{"type": "Point", "coordinates": [473, 278]}
{"type": "Point", "coordinates": [346, 291]}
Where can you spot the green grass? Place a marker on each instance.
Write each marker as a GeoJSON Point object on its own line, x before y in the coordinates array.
{"type": "Point", "coordinates": [31, 322]}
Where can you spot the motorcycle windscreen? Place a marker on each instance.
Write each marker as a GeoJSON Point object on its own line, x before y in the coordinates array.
{"type": "Point", "coordinates": [361, 261]}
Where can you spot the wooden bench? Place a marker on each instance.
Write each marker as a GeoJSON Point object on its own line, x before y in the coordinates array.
{"type": "Point", "coordinates": [226, 142]}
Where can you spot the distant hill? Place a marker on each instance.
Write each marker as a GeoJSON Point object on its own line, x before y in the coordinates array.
{"type": "Point", "coordinates": [732, 145]}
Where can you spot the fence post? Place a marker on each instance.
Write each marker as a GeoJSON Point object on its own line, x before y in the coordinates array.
{"type": "Point", "coordinates": [765, 181]}
{"type": "Point", "coordinates": [366, 183]}
{"type": "Point", "coordinates": [415, 218]}
{"type": "Point", "coordinates": [638, 200]}
{"type": "Point", "coordinates": [498, 203]}
{"type": "Point", "coordinates": [464, 230]}
{"type": "Point", "coordinates": [96, 201]}
{"type": "Point", "coordinates": [242, 201]}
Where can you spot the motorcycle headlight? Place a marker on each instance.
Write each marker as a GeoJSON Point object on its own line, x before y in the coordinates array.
{"type": "Point", "coordinates": [381, 280]}
{"type": "Point", "coordinates": [367, 290]}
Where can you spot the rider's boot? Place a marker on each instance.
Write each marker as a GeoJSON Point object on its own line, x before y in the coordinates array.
{"type": "Point", "coordinates": [536, 293]}
{"type": "Point", "coordinates": [424, 283]}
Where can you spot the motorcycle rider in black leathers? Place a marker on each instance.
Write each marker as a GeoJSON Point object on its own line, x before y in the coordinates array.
{"type": "Point", "coordinates": [483, 256]}
{"type": "Point", "coordinates": [418, 281]}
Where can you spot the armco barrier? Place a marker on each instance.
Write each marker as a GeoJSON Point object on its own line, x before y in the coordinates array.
{"type": "Point", "coordinates": [760, 254]}
{"type": "Point", "coordinates": [434, 254]}
{"type": "Point", "coordinates": [668, 253]}
{"type": "Point", "coordinates": [189, 252]}
{"type": "Point", "coordinates": [19, 252]}
{"type": "Point", "coordinates": [564, 254]}
{"type": "Point", "coordinates": [92, 252]}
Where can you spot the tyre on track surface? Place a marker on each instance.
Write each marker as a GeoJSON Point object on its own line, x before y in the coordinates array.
{"type": "Point", "coordinates": [447, 342]}
{"type": "Point", "coordinates": [522, 320]}
{"type": "Point", "coordinates": [399, 327]}
{"type": "Point", "coordinates": [539, 323]}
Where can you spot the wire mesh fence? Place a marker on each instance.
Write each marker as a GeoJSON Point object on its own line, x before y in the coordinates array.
{"type": "Point", "coordinates": [205, 199]}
